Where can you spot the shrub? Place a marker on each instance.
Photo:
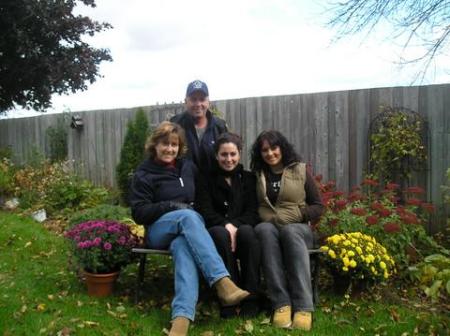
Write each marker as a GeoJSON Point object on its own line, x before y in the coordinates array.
{"type": "Point", "coordinates": [132, 152]}
{"type": "Point", "coordinates": [102, 211]}
{"type": "Point", "coordinates": [7, 171]}
{"type": "Point", "coordinates": [375, 211]}
{"type": "Point", "coordinates": [54, 187]}
{"type": "Point", "coordinates": [57, 139]}
{"type": "Point", "coordinates": [433, 274]}
{"type": "Point", "coordinates": [358, 256]}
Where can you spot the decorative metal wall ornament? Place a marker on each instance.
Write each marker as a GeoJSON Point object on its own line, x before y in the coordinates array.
{"type": "Point", "coordinates": [77, 122]}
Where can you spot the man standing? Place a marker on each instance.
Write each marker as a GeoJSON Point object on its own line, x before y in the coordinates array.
{"type": "Point", "coordinates": [201, 127]}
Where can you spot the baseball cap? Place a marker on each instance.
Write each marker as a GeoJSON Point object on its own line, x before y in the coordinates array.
{"type": "Point", "coordinates": [197, 85]}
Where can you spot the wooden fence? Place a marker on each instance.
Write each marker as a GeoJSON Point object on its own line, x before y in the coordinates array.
{"type": "Point", "coordinates": [329, 130]}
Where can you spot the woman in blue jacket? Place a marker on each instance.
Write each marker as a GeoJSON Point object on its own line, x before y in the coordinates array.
{"type": "Point", "coordinates": [161, 198]}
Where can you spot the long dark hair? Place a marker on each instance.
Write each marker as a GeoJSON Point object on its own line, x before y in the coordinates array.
{"type": "Point", "coordinates": [273, 138]}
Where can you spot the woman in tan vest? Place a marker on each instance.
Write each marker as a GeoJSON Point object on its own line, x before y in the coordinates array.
{"type": "Point", "coordinates": [288, 200]}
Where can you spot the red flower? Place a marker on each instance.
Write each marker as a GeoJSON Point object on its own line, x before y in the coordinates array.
{"type": "Point", "coordinates": [400, 210]}
{"type": "Point", "coordinates": [358, 211]}
{"type": "Point", "coordinates": [372, 220]}
{"type": "Point", "coordinates": [355, 196]}
{"type": "Point", "coordinates": [409, 217]}
{"type": "Point", "coordinates": [391, 227]}
{"type": "Point", "coordinates": [428, 207]}
{"type": "Point", "coordinates": [330, 184]}
{"type": "Point", "coordinates": [370, 182]}
{"type": "Point", "coordinates": [383, 212]}
{"type": "Point", "coordinates": [333, 222]}
{"type": "Point", "coordinates": [318, 178]}
{"type": "Point", "coordinates": [340, 203]}
{"type": "Point", "coordinates": [394, 199]}
{"type": "Point", "coordinates": [392, 186]}
{"type": "Point", "coordinates": [338, 193]}
{"type": "Point", "coordinates": [376, 206]}
{"type": "Point", "coordinates": [413, 201]}
{"type": "Point", "coordinates": [415, 190]}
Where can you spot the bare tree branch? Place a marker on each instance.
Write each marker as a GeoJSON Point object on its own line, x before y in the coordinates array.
{"type": "Point", "coordinates": [415, 23]}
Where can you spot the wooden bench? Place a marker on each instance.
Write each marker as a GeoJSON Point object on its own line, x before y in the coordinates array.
{"type": "Point", "coordinates": [143, 252]}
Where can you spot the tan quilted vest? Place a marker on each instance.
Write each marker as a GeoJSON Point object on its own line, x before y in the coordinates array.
{"type": "Point", "coordinates": [291, 198]}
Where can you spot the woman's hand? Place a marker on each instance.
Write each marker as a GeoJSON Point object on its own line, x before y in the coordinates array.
{"type": "Point", "coordinates": [232, 230]}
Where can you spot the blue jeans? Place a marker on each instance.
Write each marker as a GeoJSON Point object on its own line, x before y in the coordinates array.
{"type": "Point", "coordinates": [183, 232]}
{"type": "Point", "coordinates": [285, 261]}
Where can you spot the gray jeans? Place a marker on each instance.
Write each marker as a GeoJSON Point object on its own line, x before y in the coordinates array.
{"type": "Point", "coordinates": [286, 266]}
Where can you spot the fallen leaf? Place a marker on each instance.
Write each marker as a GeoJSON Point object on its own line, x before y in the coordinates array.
{"type": "Point", "coordinates": [40, 307]}
{"type": "Point", "coordinates": [394, 315]}
{"type": "Point", "coordinates": [64, 332]}
{"type": "Point", "coordinates": [248, 326]}
{"type": "Point", "coordinates": [28, 244]}
{"type": "Point", "coordinates": [207, 333]}
{"type": "Point", "coordinates": [265, 321]}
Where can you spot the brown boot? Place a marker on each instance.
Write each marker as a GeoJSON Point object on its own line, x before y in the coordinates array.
{"type": "Point", "coordinates": [302, 320]}
{"type": "Point", "coordinates": [282, 317]}
{"type": "Point", "coordinates": [180, 326]}
{"type": "Point", "coordinates": [228, 293]}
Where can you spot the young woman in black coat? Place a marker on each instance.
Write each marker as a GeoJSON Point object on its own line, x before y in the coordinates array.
{"type": "Point", "coordinates": [226, 198]}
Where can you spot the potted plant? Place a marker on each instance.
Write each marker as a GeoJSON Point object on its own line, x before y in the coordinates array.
{"type": "Point", "coordinates": [102, 248]}
{"type": "Point", "coordinates": [358, 259]}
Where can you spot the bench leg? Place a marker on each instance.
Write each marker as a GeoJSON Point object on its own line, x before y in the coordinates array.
{"type": "Point", "coordinates": [140, 277]}
{"type": "Point", "coordinates": [315, 277]}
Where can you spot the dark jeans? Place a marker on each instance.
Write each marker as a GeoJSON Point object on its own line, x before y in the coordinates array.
{"type": "Point", "coordinates": [247, 251]}
{"type": "Point", "coordinates": [286, 265]}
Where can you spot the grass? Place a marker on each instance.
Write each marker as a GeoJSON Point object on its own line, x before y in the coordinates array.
{"type": "Point", "coordinates": [41, 294]}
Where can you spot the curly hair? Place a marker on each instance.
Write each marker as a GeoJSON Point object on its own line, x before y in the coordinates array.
{"type": "Point", "coordinates": [228, 137]}
{"type": "Point", "coordinates": [161, 133]}
{"type": "Point", "coordinates": [274, 138]}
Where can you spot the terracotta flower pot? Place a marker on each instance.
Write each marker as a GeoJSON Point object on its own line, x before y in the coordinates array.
{"type": "Point", "coordinates": [100, 285]}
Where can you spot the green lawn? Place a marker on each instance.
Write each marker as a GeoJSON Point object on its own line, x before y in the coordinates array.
{"type": "Point", "coordinates": [41, 294]}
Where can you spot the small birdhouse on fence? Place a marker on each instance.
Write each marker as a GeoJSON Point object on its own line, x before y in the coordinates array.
{"type": "Point", "coordinates": [77, 122]}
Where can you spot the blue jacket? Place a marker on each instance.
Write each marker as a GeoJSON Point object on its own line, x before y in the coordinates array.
{"type": "Point", "coordinates": [156, 189]}
{"type": "Point", "coordinates": [201, 152]}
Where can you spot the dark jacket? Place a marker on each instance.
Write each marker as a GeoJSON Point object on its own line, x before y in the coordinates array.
{"type": "Point", "coordinates": [156, 189]}
{"type": "Point", "coordinates": [220, 204]}
{"type": "Point", "coordinates": [202, 153]}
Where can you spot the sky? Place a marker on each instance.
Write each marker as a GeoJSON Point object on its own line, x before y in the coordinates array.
{"type": "Point", "coordinates": [240, 48]}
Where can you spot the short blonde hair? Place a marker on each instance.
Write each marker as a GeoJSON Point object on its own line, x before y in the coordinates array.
{"type": "Point", "coordinates": [162, 132]}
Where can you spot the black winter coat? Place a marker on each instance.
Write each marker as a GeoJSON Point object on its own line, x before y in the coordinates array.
{"type": "Point", "coordinates": [201, 152]}
{"type": "Point", "coordinates": [220, 203]}
{"type": "Point", "coordinates": [157, 189]}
